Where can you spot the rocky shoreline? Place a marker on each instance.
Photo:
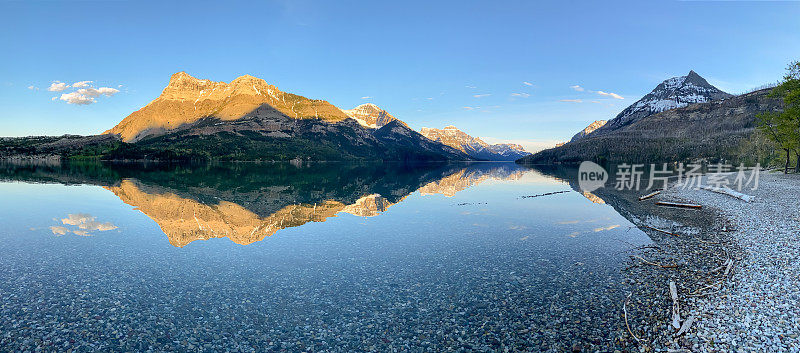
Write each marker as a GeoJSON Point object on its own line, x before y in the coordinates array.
{"type": "Point", "coordinates": [736, 266]}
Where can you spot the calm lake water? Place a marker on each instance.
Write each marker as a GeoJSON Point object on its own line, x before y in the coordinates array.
{"type": "Point", "coordinates": [321, 257]}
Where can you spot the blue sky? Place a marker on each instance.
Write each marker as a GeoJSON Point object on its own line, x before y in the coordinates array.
{"type": "Point", "coordinates": [504, 71]}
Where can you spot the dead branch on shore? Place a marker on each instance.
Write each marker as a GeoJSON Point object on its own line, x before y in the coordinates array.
{"type": "Point", "coordinates": [686, 325]}
{"type": "Point", "coordinates": [645, 197]}
{"type": "Point", "coordinates": [678, 205]}
{"type": "Point", "coordinates": [625, 312]}
{"type": "Point", "coordinates": [728, 191]}
{"type": "Point", "coordinates": [712, 285]}
{"type": "Point", "coordinates": [728, 268]}
{"type": "Point", "coordinates": [654, 263]}
{"type": "Point", "coordinates": [660, 230]}
{"type": "Point", "coordinates": [676, 310]}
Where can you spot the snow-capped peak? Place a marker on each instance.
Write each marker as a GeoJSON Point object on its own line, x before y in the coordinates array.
{"type": "Point", "coordinates": [672, 93]}
{"type": "Point", "coordinates": [370, 115]}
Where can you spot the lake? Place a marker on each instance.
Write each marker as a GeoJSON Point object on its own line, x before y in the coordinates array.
{"type": "Point", "coordinates": [307, 257]}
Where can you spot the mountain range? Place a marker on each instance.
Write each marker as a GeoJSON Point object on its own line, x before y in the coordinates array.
{"type": "Point", "coordinates": [682, 118]}
{"type": "Point", "coordinates": [473, 146]}
{"type": "Point", "coordinates": [249, 119]}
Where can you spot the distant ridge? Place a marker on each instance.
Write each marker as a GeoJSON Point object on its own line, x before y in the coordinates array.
{"type": "Point", "coordinates": [473, 146]}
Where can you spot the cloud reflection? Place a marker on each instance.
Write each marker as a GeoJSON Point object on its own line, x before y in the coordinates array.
{"type": "Point", "coordinates": [82, 224]}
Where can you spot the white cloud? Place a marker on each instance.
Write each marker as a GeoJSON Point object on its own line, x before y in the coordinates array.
{"type": "Point", "coordinates": [526, 83]}
{"type": "Point", "coordinates": [613, 95]}
{"type": "Point", "coordinates": [33, 88]}
{"type": "Point", "coordinates": [108, 91]}
{"type": "Point", "coordinates": [481, 95]}
{"type": "Point", "coordinates": [470, 87]}
{"type": "Point", "coordinates": [57, 86]}
{"type": "Point", "coordinates": [577, 88]}
{"type": "Point", "coordinates": [471, 108]}
{"type": "Point", "coordinates": [523, 95]}
{"type": "Point", "coordinates": [77, 98]}
{"type": "Point", "coordinates": [95, 92]}
{"type": "Point", "coordinates": [82, 96]}
{"type": "Point", "coordinates": [366, 97]}
{"type": "Point", "coordinates": [572, 100]}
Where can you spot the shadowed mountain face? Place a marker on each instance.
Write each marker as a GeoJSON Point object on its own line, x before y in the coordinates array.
{"type": "Point", "coordinates": [248, 202]}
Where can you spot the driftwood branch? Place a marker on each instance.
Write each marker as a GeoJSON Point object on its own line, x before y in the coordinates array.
{"type": "Point", "coordinates": [645, 197]}
{"type": "Point", "coordinates": [712, 285]}
{"type": "Point", "coordinates": [686, 325]}
{"type": "Point", "coordinates": [625, 312]}
{"type": "Point", "coordinates": [654, 263]}
{"type": "Point", "coordinates": [678, 205]}
{"type": "Point", "coordinates": [676, 310]}
{"type": "Point", "coordinates": [728, 191]}
{"type": "Point", "coordinates": [660, 230]}
{"type": "Point", "coordinates": [728, 268]}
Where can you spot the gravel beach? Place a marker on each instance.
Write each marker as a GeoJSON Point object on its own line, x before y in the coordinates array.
{"type": "Point", "coordinates": [757, 308]}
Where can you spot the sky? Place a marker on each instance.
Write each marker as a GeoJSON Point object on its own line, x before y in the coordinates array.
{"type": "Point", "coordinates": [529, 72]}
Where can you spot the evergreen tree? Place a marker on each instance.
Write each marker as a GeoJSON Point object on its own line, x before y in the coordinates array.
{"type": "Point", "coordinates": [784, 127]}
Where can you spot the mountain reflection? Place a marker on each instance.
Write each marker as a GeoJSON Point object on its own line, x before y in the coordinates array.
{"type": "Point", "coordinates": [248, 202]}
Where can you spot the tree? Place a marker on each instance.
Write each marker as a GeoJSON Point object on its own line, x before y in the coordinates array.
{"type": "Point", "coordinates": [784, 127]}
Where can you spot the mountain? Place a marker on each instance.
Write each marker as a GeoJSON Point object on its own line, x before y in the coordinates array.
{"type": "Point", "coordinates": [473, 146]}
{"type": "Point", "coordinates": [588, 130]}
{"type": "Point", "coordinates": [187, 99]}
{"type": "Point", "coordinates": [397, 134]}
{"type": "Point", "coordinates": [673, 93]}
{"type": "Point", "coordinates": [369, 115]}
{"type": "Point", "coordinates": [508, 151]}
{"type": "Point", "coordinates": [716, 130]}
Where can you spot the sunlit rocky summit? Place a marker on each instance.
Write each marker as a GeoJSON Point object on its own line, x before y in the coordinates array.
{"type": "Point", "coordinates": [187, 99]}
{"type": "Point", "coordinates": [588, 130]}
